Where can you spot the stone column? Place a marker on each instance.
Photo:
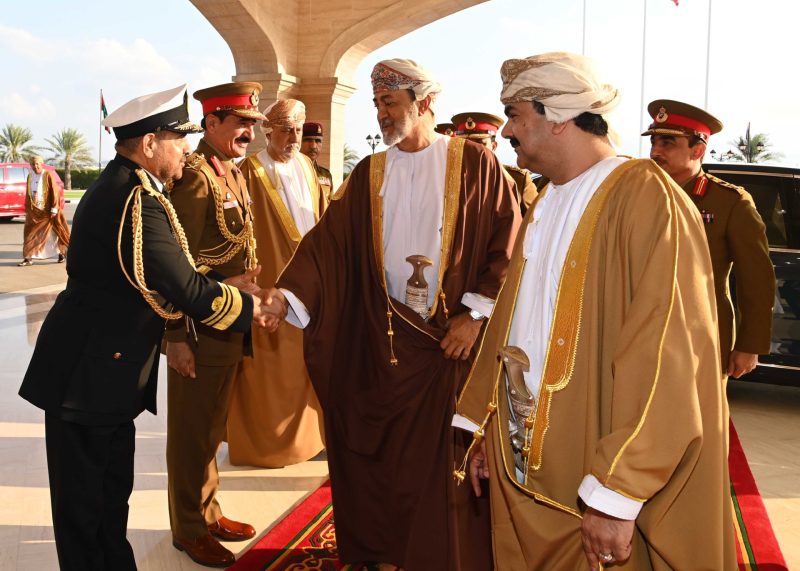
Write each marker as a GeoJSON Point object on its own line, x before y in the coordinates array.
{"type": "Point", "coordinates": [325, 99]}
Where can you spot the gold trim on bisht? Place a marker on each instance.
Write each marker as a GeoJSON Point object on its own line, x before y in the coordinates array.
{"type": "Point", "coordinates": [277, 202]}
{"type": "Point", "coordinates": [377, 167]}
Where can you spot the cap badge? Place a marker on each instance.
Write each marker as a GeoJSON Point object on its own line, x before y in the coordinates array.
{"type": "Point", "coordinates": [470, 124]}
{"type": "Point", "coordinates": [448, 132]}
{"type": "Point", "coordinates": [254, 98]}
{"type": "Point", "coordinates": [662, 115]}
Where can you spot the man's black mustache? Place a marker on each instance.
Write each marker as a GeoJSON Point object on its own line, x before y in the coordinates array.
{"type": "Point", "coordinates": [514, 142]}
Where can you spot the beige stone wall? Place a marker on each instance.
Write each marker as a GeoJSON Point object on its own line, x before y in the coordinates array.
{"type": "Point", "coordinates": [310, 50]}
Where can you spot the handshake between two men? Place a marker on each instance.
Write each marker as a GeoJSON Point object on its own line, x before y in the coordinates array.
{"type": "Point", "coordinates": [269, 305]}
{"type": "Point", "coordinates": [269, 310]}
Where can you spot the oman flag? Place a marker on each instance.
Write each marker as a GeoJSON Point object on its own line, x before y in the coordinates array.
{"type": "Point", "coordinates": [104, 109]}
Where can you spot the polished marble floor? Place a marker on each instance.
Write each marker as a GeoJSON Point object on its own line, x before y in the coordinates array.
{"type": "Point", "coordinates": [767, 417]}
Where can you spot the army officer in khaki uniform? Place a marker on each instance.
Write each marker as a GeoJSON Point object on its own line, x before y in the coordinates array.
{"type": "Point", "coordinates": [736, 234]}
{"type": "Point", "coordinates": [213, 205]}
{"type": "Point", "coordinates": [482, 128]}
{"type": "Point", "coordinates": [310, 146]}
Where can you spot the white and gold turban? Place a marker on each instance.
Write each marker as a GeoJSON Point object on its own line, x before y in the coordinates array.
{"type": "Point", "coordinates": [395, 74]}
{"type": "Point", "coordinates": [284, 113]}
{"type": "Point", "coordinates": [566, 84]}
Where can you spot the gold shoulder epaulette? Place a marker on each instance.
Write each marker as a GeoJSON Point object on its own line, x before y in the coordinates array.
{"type": "Point", "coordinates": [725, 183]}
{"type": "Point", "coordinates": [195, 160]}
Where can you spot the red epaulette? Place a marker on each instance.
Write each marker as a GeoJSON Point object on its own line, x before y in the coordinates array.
{"type": "Point", "coordinates": [217, 164]}
{"type": "Point", "coordinates": [700, 185]}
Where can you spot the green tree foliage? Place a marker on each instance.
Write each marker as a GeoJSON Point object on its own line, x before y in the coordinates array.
{"type": "Point", "coordinates": [70, 150]}
{"type": "Point", "coordinates": [351, 159]}
{"type": "Point", "coordinates": [15, 144]}
{"type": "Point", "coordinates": [757, 152]}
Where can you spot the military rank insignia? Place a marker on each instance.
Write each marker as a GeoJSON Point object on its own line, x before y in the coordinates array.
{"type": "Point", "coordinates": [662, 115]}
{"type": "Point", "coordinates": [708, 217]}
{"type": "Point", "coordinates": [700, 185]}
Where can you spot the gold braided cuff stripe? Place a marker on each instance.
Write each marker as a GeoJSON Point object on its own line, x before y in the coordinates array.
{"type": "Point", "coordinates": [227, 308]}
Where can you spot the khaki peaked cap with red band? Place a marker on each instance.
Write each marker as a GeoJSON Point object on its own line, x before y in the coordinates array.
{"type": "Point", "coordinates": [239, 98]}
{"type": "Point", "coordinates": [678, 118]}
{"type": "Point", "coordinates": [476, 125]}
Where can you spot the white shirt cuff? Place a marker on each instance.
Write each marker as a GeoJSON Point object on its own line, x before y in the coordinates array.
{"type": "Point", "coordinates": [480, 303]}
{"type": "Point", "coordinates": [605, 500]}
{"type": "Point", "coordinates": [297, 314]}
{"type": "Point", "coordinates": [463, 422]}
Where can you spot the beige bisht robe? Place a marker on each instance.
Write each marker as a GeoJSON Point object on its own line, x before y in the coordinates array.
{"type": "Point", "coordinates": [631, 391]}
{"type": "Point", "coordinates": [275, 418]}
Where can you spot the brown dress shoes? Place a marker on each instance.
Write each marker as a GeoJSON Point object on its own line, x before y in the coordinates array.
{"type": "Point", "coordinates": [206, 551]}
{"type": "Point", "coordinates": [229, 530]}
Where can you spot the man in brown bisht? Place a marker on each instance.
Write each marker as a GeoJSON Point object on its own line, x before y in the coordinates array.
{"type": "Point", "coordinates": [600, 397]}
{"type": "Point", "coordinates": [392, 287]}
{"type": "Point", "coordinates": [275, 418]}
{"type": "Point", "coordinates": [46, 234]}
{"type": "Point", "coordinates": [737, 238]}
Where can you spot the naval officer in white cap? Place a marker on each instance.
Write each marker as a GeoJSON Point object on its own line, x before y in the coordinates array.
{"type": "Point", "coordinates": [95, 365]}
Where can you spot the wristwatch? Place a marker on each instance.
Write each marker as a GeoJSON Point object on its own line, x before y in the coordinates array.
{"type": "Point", "coordinates": [476, 315]}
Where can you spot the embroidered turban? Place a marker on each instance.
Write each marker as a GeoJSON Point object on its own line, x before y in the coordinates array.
{"type": "Point", "coordinates": [284, 113]}
{"type": "Point", "coordinates": [396, 74]}
{"type": "Point", "coordinates": [566, 84]}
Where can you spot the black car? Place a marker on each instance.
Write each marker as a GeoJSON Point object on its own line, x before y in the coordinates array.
{"type": "Point", "coordinates": [776, 192]}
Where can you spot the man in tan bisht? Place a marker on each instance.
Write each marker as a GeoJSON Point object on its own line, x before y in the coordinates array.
{"type": "Point", "coordinates": [46, 234]}
{"type": "Point", "coordinates": [601, 397]}
{"type": "Point", "coordinates": [275, 418]}
{"type": "Point", "coordinates": [392, 287]}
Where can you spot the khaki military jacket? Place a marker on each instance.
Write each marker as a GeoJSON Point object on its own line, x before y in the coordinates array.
{"type": "Point", "coordinates": [325, 181]}
{"type": "Point", "coordinates": [525, 189]}
{"type": "Point", "coordinates": [213, 205]}
{"type": "Point", "coordinates": [737, 239]}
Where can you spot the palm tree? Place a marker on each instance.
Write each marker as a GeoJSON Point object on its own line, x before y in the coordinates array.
{"type": "Point", "coordinates": [351, 159]}
{"type": "Point", "coordinates": [757, 150]}
{"type": "Point", "coordinates": [15, 144]}
{"type": "Point", "coordinates": [70, 151]}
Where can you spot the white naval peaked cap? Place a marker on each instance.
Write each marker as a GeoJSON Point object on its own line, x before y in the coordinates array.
{"type": "Point", "coordinates": [163, 111]}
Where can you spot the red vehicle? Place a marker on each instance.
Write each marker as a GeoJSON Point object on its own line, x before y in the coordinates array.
{"type": "Point", "coordinates": [14, 184]}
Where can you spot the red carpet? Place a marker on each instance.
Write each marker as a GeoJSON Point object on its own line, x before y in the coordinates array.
{"type": "Point", "coordinates": [305, 539]}
{"type": "Point", "coordinates": [756, 545]}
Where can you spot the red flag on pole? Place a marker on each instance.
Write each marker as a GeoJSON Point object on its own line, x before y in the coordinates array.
{"type": "Point", "coordinates": [676, 2]}
{"type": "Point", "coordinates": [104, 110]}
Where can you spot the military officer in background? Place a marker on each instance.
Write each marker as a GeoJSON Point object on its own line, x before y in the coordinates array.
{"type": "Point", "coordinates": [213, 205]}
{"type": "Point", "coordinates": [482, 128]}
{"type": "Point", "coordinates": [310, 146]}
{"type": "Point", "coordinates": [95, 365]}
{"type": "Point", "coordinates": [447, 129]}
{"type": "Point", "coordinates": [735, 231]}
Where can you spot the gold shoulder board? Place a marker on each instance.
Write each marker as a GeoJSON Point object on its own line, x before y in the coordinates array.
{"type": "Point", "coordinates": [195, 160]}
{"type": "Point", "coordinates": [725, 184]}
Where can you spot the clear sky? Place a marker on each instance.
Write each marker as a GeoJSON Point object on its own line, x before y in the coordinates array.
{"type": "Point", "coordinates": [57, 56]}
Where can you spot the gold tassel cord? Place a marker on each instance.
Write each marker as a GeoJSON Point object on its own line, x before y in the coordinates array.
{"type": "Point", "coordinates": [461, 472]}
{"type": "Point", "coordinates": [244, 239]}
{"type": "Point", "coordinates": [138, 281]}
